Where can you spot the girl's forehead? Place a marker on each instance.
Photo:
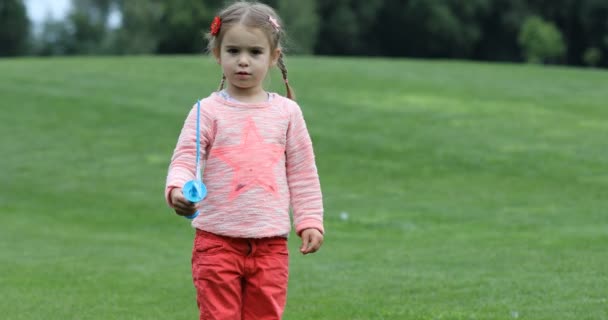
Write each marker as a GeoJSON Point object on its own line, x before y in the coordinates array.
{"type": "Point", "coordinates": [242, 36]}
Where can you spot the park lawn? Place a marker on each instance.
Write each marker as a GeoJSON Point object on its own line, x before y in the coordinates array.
{"type": "Point", "coordinates": [453, 190]}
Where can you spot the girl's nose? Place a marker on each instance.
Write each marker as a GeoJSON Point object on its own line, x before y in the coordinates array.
{"type": "Point", "coordinates": [243, 61]}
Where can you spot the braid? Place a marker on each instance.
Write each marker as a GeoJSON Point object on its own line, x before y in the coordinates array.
{"type": "Point", "coordinates": [283, 68]}
{"type": "Point", "coordinates": [222, 82]}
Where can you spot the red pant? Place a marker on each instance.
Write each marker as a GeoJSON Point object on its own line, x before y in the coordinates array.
{"type": "Point", "coordinates": [240, 279]}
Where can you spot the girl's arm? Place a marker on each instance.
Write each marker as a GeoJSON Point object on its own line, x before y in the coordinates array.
{"type": "Point", "coordinates": [183, 162]}
{"type": "Point", "coordinates": [302, 176]}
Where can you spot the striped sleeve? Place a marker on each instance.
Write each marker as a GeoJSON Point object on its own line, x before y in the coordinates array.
{"type": "Point", "coordinates": [302, 176]}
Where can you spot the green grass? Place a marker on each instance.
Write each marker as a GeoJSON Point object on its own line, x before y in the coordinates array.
{"type": "Point", "coordinates": [474, 191]}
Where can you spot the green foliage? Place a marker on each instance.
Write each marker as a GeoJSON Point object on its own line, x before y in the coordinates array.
{"type": "Point", "coordinates": [84, 31]}
{"type": "Point", "coordinates": [301, 24]}
{"type": "Point", "coordinates": [541, 40]}
{"type": "Point", "coordinates": [593, 18]}
{"type": "Point", "coordinates": [346, 26]}
{"type": "Point", "coordinates": [182, 26]}
{"type": "Point", "coordinates": [592, 57]}
{"type": "Point", "coordinates": [87, 28]}
{"type": "Point", "coordinates": [500, 27]}
{"type": "Point", "coordinates": [139, 31]}
{"type": "Point", "coordinates": [163, 26]}
{"type": "Point", "coordinates": [473, 29]}
{"type": "Point", "coordinates": [55, 39]}
{"type": "Point", "coordinates": [14, 28]}
{"type": "Point", "coordinates": [454, 24]}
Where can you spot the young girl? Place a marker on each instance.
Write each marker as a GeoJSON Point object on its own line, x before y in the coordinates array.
{"type": "Point", "coordinates": [259, 162]}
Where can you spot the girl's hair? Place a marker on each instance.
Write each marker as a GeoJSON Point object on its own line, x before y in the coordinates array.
{"type": "Point", "coordinates": [252, 15]}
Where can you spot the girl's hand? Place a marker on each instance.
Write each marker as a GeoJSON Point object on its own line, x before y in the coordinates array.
{"type": "Point", "coordinates": [181, 206]}
{"type": "Point", "coordinates": [312, 239]}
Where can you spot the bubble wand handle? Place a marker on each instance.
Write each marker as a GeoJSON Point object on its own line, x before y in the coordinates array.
{"type": "Point", "coordinates": [194, 190]}
{"type": "Point", "coordinates": [198, 141]}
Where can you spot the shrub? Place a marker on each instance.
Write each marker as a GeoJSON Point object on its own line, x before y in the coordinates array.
{"type": "Point", "coordinates": [540, 40]}
{"type": "Point", "coordinates": [592, 56]}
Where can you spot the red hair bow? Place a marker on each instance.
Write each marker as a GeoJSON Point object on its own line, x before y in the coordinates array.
{"type": "Point", "coordinates": [215, 26]}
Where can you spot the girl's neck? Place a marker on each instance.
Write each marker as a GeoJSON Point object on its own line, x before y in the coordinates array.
{"type": "Point", "coordinates": [249, 95]}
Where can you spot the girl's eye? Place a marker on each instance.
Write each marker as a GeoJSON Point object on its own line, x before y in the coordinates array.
{"type": "Point", "coordinates": [233, 51]}
{"type": "Point", "coordinates": [256, 51]}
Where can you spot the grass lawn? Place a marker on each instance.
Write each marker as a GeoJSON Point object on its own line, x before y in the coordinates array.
{"type": "Point", "coordinates": [472, 191]}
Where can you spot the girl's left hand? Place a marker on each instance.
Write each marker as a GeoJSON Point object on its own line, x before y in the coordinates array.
{"type": "Point", "coordinates": [312, 239]}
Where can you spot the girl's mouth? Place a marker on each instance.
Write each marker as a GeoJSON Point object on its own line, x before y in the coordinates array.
{"type": "Point", "coordinates": [243, 75]}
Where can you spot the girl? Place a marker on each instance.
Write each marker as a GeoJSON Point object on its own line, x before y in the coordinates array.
{"type": "Point", "coordinates": [259, 161]}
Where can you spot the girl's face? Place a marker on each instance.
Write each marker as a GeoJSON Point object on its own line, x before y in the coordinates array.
{"type": "Point", "coordinates": [245, 56]}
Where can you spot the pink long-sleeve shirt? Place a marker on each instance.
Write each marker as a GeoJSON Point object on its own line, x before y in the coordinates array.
{"type": "Point", "coordinates": [259, 162]}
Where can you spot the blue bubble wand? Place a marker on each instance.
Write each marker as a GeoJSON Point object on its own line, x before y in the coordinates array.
{"type": "Point", "coordinates": [195, 190]}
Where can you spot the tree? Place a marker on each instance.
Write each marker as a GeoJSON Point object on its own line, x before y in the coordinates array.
{"type": "Point", "coordinates": [453, 25]}
{"type": "Point", "coordinates": [55, 39]}
{"type": "Point", "coordinates": [84, 30]}
{"type": "Point", "coordinates": [183, 24]}
{"type": "Point", "coordinates": [301, 24]}
{"type": "Point", "coordinates": [541, 40]}
{"type": "Point", "coordinates": [593, 18]}
{"type": "Point", "coordinates": [14, 28]}
{"type": "Point", "coordinates": [346, 26]}
{"type": "Point", "coordinates": [140, 27]}
{"type": "Point", "coordinates": [88, 26]}
{"type": "Point", "coordinates": [501, 25]}
{"type": "Point", "coordinates": [592, 57]}
{"type": "Point", "coordinates": [164, 26]}
{"type": "Point", "coordinates": [420, 28]}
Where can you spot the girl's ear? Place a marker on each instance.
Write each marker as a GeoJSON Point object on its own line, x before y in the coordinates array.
{"type": "Point", "coordinates": [216, 55]}
{"type": "Point", "coordinates": [274, 57]}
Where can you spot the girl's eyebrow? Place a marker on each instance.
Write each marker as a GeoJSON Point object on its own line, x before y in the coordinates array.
{"type": "Point", "coordinates": [233, 46]}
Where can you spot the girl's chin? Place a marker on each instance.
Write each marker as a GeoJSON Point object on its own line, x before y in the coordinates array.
{"type": "Point", "coordinates": [243, 77]}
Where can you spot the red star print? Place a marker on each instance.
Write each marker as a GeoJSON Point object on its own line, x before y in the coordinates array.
{"type": "Point", "coordinates": [252, 161]}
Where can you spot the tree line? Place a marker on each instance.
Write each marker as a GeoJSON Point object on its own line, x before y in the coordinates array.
{"type": "Point", "coordinates": [573, 32]}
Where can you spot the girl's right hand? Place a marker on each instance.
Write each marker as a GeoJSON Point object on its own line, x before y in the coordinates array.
{"type": "Point", "coordinates": [181, 206]}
